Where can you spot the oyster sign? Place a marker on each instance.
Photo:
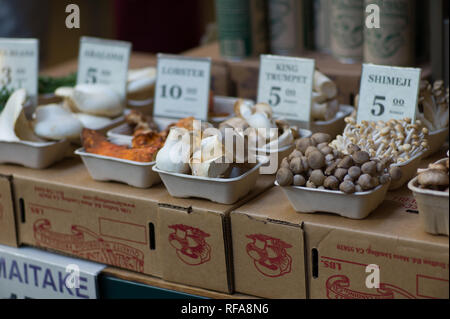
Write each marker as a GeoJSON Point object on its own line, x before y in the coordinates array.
{"type": "Point", "coordinates": [19, 63]}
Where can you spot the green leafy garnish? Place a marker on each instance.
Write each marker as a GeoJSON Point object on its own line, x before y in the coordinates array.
{"type": "Point", "coordinates": [48, 84]}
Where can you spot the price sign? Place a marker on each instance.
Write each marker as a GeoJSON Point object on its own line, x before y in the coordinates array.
{"type": "Point", "coordinates": [105, 62]}
{"type": "Point", "coordinates": [182, 87]}
{"type": "Point", "coordinates": [19, 64]}
{"type": "Point", "coordinates": [388, 92]}
{"type": "Point", "coordinates": [286, 84]}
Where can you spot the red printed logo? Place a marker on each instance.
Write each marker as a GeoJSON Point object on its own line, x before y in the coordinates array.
{"type": "Point", "coordinates": [86, 244]}
{"type": "Point", "coordinates": [269, 255]}
{"type": "Point", "coordinates": [338, 287]}
{"type": "Point", "coordinates": [190, 244]}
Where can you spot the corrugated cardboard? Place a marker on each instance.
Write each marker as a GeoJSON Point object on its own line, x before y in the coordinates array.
{"type": "Point", "coordinates": [63, 209]}
{"type": "Point", "coordinates": [8, 235]}
{"type": "Point", "coordinates": [194, 239]}
{"type": "Point", "coordinates": [268, 248]}
{"type": "Point", "coordinates": [31, 273]}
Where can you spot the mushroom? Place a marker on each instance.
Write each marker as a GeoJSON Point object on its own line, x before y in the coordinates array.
{"type": "Point", "coordinates": [331, 182]}
{"type": "Point", "coordinates": [340, 173]}
{"type": "Point", "coordinates": [209, 159]}
{"type": "Point", "coordinates": [175, 155]}
{"type": "Point", "coordinates": [284, 177]}
{"type": "Point", "coordinates": [317, 177]}
{"type": "Point", "coordinates": [433, 178]}
{"type": "Point", "coordinates": [395, 172]}
{"type": "Point", "coordinates": [299, 180]}
{"type": "Point", "coordinates": [284, 163]}
{"type": "Point", "coordinates": [316, 160]}
{"type": "Point", "coordinates": [14, 126]}
{"type": "Point", "coordinates": [346, 162]}
{"type": "Point", "coordinates": [324, 85]}
{"type": "Point", "coordinates": [296, 165]}
{"type": "Point", "coordinates": [92, 99]}
{"type": "Point", "coordinates": [93, 122]}
{"type": "Point", "coordinates": [347, 187]}
{"type": "Point", "coordinates": [53, 122]}
{"type": "Point", "coordinates": [360, 157]}
{"type": "Point", "coordinates": [354, 172]}
{"type": "Point", "coordinates": [303, 143]}
{"type": "Point", "coordinates": [365, 181]}
{"type": "Point", "coordinates": [369, 168]}
{"type": "Point", "coordinates": [319, 138]}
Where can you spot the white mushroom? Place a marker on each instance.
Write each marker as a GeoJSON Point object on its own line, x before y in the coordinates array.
{"type": "Point", "coordinates": [209, 159]}
{"type": "Point", "coordinates": [324, 85]}
{"type": "Point", "coordinates": [93, 122]}
{"type": "Point", "coordinates": [14, 126]}
{"type": "Point", "coordinates": [95, 99]}
{"type": "Point", "coordinates": [176, 153]}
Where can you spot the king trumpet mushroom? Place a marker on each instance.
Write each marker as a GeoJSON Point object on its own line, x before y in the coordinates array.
{"type": "Point", "coordinates": [93, 99]}
{"type": "Point", "coordinates": [313, 165]}
{"type": "Point", "coordinates": [176, 153]}
{"type": "Point", "coordinates": [324, 98]}
{"type": "Point", "coordinates": [14, 126]}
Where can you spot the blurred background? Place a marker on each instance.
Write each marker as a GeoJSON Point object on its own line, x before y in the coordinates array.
{"type": "Point", "coordinates": [414, 32]}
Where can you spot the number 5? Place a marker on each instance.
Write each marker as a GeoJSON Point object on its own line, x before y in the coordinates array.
{"type": "Point", "coordinates": [380, 106]}
{"type": "Point", "coordinates": [274, 93]}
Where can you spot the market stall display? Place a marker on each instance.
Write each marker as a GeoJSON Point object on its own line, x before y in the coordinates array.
{"type": "Point", "coordinates": [20, 142]}
{"type": "Point", "coordinates": [430, 189]}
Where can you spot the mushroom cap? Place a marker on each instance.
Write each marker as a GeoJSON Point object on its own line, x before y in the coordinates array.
{"type": "Point", "coordinates": [360, 157]}
{"type": "Point", "coordinates": [347, 187]}
{"type": "Point", "coordinates": [299, 180]}
{"type": "Point", "coordinates": [284, 177]}
{"type": "Point", "coordinates": [316, 160]}
{"type": "Point", "coordinates": [296, 165]}
{"type": "Point", "coordinates": [317, 177]}
{"type": "Point", "coordinates": [263, 108]}
{"type": "Point", "coordinates": [433, 177]}
{"type": "Point", "coordinates": [319, 138]}
{"type": "Point", "coordinates": [331, 182]}
{"type": "Point", "coordinates": [303, 143]}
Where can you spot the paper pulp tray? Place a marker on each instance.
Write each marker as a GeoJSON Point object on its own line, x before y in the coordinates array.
{"type": "Point", "coordinates": [33, 154]}
{"type": "Point", "coordinates": [219, 190]}
{"type": "Point", "coordinates": [355, 206]}
{"type": "Point", "coordinates": [435, 141]}
{"type": "Point", "coordinates": [409, 170]}
{"type": "Point", "coordinates": [106, 168]}
{"type": "Point", "coordinates": [433, 208]}
{"type": "Point", "coordinates": [333, 127]}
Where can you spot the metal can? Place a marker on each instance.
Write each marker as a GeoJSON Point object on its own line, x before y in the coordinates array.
{"type": "Point", "coordinates": [346, 30]}
{"type": "Point", "coordinates": [242, 28]}
{"type": "Point", "coordinates": [286, 27]}
{"type": "Point", "coordinates": [393, 42]}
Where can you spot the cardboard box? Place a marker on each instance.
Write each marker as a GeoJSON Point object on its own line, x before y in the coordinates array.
{"type": "Point", "coordinates": [8, 234]}
{"type": "Point", "coordinates": [268, 248]}
{"type": "Point", "coordinates": [31, 273]}
{"type": "Point", "coordinates": [194, 240]}
{"type": "Point", "coordinates": [63, 209]}
{"type": "Point", "coordinates": [337, 250]}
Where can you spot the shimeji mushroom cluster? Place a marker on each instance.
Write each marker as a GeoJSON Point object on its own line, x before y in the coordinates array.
{"type": "Point", "coordinates": [435, 176]}
{"type": "Point", "coordinates": [433, 102]}
{"type": "Point", "coordinates": [398, 140]}
{"type": "Point", "coordinates": [314, 164]}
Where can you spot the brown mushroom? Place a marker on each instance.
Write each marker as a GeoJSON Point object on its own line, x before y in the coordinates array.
{"type": "Point", "coordinates": [384, 179]}
{"type": "Point", "coordinates": [340, 173]}
{"type": "Point", "coordinates": [299, 180]}
{"type": "Point", "coordinates": [296, 165]}
{"type": "Point", "coordinates": [311, 149]}
{"type": "Point", "coordinates": [369, 168]}
{"type": "Point", "coordinates": [317, 177]}
{"type": "Point", "coordinates": [302, 144]}
{"type": "Point", "coordinates": [396, 173]}
{"type": "Point", "coordinates": [433, 177]}
{"type": "Point", "coordinates": [284, 177]}
{"type": "Point", "coordinates": [365, 181]}
{"type": "Point", "coordinates": [316, 160]}
{"type": "Point", "coordinates": [354, 172]}
{"type": "Point", "coordinates": [321, 138]}
{"type": "Point", "coordinates": [310, 184]}
{"type": "Point", "coordinates": [360, 157]}
{"type": "Point", "coordinates": [331, 168]}
{"type": "Point", "coordinates": [284, 163]}
{"type": "Point", "coordinates": [346, 162]}
{"type": "Point", "coordinates": [326, 150]}
{"type": "Point", "coordinates": [347, 187]}
{"type": "Point", "coordinates": [331, 182]}
{"type": "Point", "coordinates": [352, 148]}
{"type": "Point", "coordinates": [295, 153]}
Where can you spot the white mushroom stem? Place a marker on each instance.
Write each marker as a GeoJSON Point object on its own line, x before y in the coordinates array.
{"type": "Point", "coordinates": [324, 85]}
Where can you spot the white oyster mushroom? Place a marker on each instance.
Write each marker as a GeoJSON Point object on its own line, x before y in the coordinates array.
{"type": "Point", "coordinates": [209, 159]}
{"type": "Point", "coordinates": [14, 126]}
{"type": "Point", "coordinates": [54, 122]}
{"type": "Point", "coordinates": [93, 122]}
{"type": "Point", "coordinates": [176, 153]}
{"type": "Point", "coordinates": [94, 99]}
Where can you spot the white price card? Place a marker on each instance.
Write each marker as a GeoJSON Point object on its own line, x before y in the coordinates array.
{"type": "Point", "coordinates": [388, 92]}
{"type": "Point", "coordinates": [286, 84]}
{"type": "Point", "coordinates": [102, 61]}
{"type": "Point", "coordinates": [19, 65]}
{"type": "Point", "coordinates": [182, 87]}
